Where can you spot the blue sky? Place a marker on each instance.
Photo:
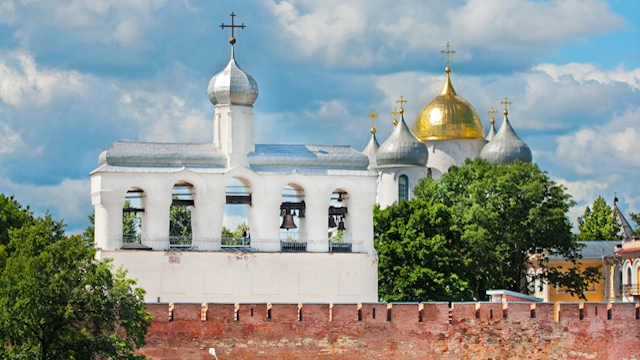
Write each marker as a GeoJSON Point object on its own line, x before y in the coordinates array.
{"type": "Point", "coordinates": [78, 75]}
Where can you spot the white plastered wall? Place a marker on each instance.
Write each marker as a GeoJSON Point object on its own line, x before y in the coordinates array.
{"type": "Point", "coordinates": [289, 272]}
{"type": "Point", "coordinates": [446, 153]}
{"type": "Point", "coordinates": [388, 182]}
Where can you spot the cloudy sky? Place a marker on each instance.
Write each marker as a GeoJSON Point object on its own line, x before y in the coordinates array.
{"type": "Point", "coordinates": [78, 75]}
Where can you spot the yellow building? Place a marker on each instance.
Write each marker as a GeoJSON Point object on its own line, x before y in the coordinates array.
{"type": "Point", "coordinates": [598, 254]}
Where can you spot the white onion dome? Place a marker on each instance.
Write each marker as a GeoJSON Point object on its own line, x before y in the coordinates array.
{"type": "Point", "coordinates": [506, 146]}
{"type": "Point", "coordinates": [233, 85]}
{"type": "Point", "coordinates": [402, 148]}
{"type": "Point", "coordinates": [371, 150]}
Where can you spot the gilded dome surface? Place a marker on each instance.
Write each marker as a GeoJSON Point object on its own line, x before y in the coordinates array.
{"type": "Point", "coordinates": [448, 116]}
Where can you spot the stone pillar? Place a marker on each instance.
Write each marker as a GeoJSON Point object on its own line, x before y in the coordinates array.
{"type": "Point", "coordinates": [316, 221]}
{"type": "Point", "coordinates": [264, 217]}
{"type": "Point", "coordinates": [108, 220]}
{"type": "Point", "coordinates": [361, 226]}
{"type": "Point", "coordinates": [155, 227]}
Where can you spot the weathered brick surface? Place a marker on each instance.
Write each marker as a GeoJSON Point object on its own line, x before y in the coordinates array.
{"type": "Point", "coordinates": [334, 332]}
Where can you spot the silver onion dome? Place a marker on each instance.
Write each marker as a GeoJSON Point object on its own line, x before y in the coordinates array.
{"type": "Point", "coordinates": [506, 146]}
{"type": "Point", "coordinates": [371, 149]}
{"type": "Point", "coordinates": [492, 131]}
{"type": "Point", "coordinates": [232, 85]}
{"type": "Point", "coordinates": [402, 148]}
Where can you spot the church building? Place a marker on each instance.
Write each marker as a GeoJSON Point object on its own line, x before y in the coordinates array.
{"type": "Point", "coordinates": [309, 208]}
{"type": "Point", "coordinates": [445, 133]}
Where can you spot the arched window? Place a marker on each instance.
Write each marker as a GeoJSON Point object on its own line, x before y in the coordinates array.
{"type": "Point", "coordinates": [629, 276]}
{"type": "Point", "coordinates": [403, 188]}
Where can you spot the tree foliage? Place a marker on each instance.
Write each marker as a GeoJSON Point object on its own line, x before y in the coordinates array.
{"type": "Point", "coordinates": [12, 216]}
{"type": "Point", "coordinates": [635, 217]}
{"type": "Point", "coordinates": [599, 222]}
{"type": "Point", "coordinates": [180, 221]}
{"type": "Point", "coordinates": [58, 302]}
{"type": "Point", "coordinates": [130, 221]}
{"type": "Point", "coordinates": [475, 229]}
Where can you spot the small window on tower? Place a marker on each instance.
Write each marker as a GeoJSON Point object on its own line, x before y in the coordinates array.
{"type": "Point", "coordinates": [403, 188]}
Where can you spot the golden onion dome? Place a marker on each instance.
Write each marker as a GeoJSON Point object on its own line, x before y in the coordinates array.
{"type": "Point", "coordinates": [448, 116]}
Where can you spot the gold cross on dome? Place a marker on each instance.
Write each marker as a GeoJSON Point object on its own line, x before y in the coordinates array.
{"type": "Point", "coordinates": [373, 116]}
{"type": "Point", "coordinates": [232, 40]}
{"type": "Point", "coordinates": [492, 111]}
{"type": "Point", "coordinates": [401, 101]}
{"type": "Point", "coordinates": [447, 52]}
{"type": "Point", "coordinates": [505, 102]}
{"type": "Point", "coordinates": [394, 113]}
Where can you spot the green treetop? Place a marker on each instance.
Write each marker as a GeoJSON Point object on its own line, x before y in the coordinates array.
{"type": "Point", "coordinates": [599, 222]}
{"type": "Point", "coordinates": [58, 302]}
{"type": "Point", "coordinates": [473, 230]}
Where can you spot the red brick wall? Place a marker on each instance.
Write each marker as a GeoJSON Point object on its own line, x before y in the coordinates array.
{"type": "Point", "coordinates": [415, 331]}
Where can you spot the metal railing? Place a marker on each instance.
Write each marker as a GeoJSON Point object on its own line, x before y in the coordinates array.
{"type": "Point", "coordinates": [631, 289]}
{"type": "Point", "coordinates": [291, 243]}
{"type": "Point", "coordinates": [131, 239]}
{"type": "Point", "coordinates": [236, 241]}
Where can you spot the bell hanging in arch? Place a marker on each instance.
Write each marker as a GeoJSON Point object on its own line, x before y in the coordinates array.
{"type": "Point", "coordinates": [287, 222]}
{"type": "Point", "coordinates": [341, 225]}
{"type": "Point", "coordinates": [332, 222]}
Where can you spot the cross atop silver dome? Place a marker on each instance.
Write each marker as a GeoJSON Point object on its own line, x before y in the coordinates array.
{"type": "Point", "coordinates": [232, 85]}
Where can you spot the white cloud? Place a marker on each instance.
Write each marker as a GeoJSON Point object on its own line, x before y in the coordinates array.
{"type": "Point", "coordinates": [582, 73]}
{"type": "Point", "coordinates": [361, 33]}
{"type": "Point", "coordinates": [521, 24]}
{"type": "Point", "coordinates": [7, 12]}
{"type": "Point", "coordinates": [607, 148]}
{"type": "Point", "coordinates": [123, 21]}
{"type": "Point", "coordinates": [11, 140]}
{"type": "Point", "coordinates": [128, 33]}
{"type": "Point", "coordinates": [23, 84]}
{"type": "Point", "coordinates": [163, 116]}
{"type": "Point", "coordinates": [69, 200]}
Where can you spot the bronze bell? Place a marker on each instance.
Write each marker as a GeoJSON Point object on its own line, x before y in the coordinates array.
{"type": "Point", "coordinates": [287, 222]}
{"type": "Point", "coordinates": [341, 225]}
{"type": "Point", "coordinates": [332, 222]}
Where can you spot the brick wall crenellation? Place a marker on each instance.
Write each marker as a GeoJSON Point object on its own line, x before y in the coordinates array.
{"type": "Point", "coordinates": [406, 330]}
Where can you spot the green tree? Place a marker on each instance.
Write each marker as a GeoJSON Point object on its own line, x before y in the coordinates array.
{"type": "Point", "coordinates": [226, 233]}
{"type": "Point", "coordinates": [12, 216]}
{"type": "Point", "coordinates": [635, 217]}
{"type": "Point", "coordinates": [499, 216]}
{"type": "Point", "coordinates": [418, 253]}
{"type": "Point", "coordinates": [130, 221]}
{"type": "Point", "coordinates": [58, 302]}
{"type": "Point", "coordinates": [180, 221]}
{"type": "Point", "coordinates": [598, 222]}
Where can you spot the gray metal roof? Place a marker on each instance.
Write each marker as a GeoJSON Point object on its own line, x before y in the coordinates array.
{"type": "Point", "coordinates": [506, 146]}
{"type": "Point", "coordinates": [155, 154]}
{"type": "Point", "coordinates": [492, 132]}
{"type": "Point", "coordinates": [402, 148]}
{"type": "Point", "coordinates": [295, 156]}
{"type": "Point", "coordinates": [129, 156]}
{"type": "Point", "coordinates": [595, 249]}
{"type": "Point", "coordinates": [370, 150]}
{"type": "Point", "coordinates": [232, 85]}
{"type": "Point", "coordinates": [625, 229]}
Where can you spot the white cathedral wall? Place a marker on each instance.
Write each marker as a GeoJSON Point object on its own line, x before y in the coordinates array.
{"type": "Point", "coordinates": [388, 182]}
{"type": "Point", "coordinates": [445, 153]}
{"type": "Point", "coordinates": [251, 277]}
